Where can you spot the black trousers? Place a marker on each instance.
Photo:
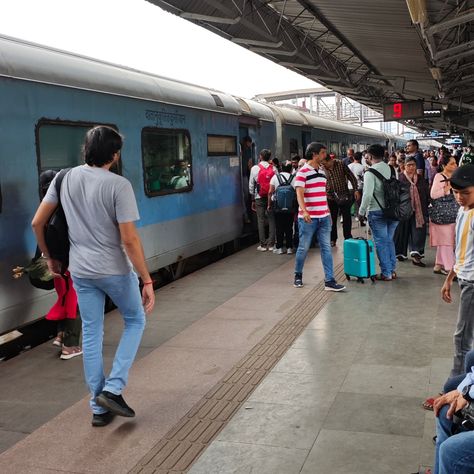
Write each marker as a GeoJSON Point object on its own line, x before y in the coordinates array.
{"type": "Point", "coordinates": [345, 211]}
{"type": "Point", "coordinates": [284, 229]}
{"type": "Point", "coordinates": [408, 236]}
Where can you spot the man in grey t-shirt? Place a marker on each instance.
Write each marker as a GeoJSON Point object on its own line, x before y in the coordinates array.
{"type": "Point", "coordinates": [100, 209]}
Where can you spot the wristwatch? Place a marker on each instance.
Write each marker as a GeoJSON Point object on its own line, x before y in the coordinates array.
{"type": "Point", "coordinates": [465, 393]}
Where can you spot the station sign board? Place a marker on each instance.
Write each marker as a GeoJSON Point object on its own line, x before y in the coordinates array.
{"type": "Point", "coordinates": [403, 110]}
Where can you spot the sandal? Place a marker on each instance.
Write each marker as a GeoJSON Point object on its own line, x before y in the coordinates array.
{"type": "Point", "coordinates": [58, 340]}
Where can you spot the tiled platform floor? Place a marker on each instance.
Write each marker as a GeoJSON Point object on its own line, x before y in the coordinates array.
{"type": "Point", "coordinates": [346, 398]}
{"type": "Point", "coordinates": [201, 327]}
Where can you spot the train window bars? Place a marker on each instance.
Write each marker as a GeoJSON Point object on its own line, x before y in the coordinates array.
{"type": "Point", "coordinates": [167, 161]}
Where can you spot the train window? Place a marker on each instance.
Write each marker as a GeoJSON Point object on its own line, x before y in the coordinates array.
{"type": "Point", "coordinates": [166, 161]}
{"type": "Point", "coordinates": [221, 145]}
{"type": "Point", "coordinates": [334, 148]}
{"type": "Point", "coordinates": [60, 145]}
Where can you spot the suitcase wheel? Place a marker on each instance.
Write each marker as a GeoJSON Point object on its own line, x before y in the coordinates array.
{"type": "Point", "coordinates": [360, 280]}
{"type": "Point", "coordinates": [348, 278]}
{"type": "Point", "coordinates": [373, 279]}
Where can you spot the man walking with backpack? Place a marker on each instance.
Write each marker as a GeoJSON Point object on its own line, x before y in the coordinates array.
{"type": "Point", "coordinates": [373, 202]}
{"type": "Point", "coordinates": [259, 187]}
{"type": "Point", "coordinates": [100, 210]}
{"type": "Point", "coordinates": [282, 198]}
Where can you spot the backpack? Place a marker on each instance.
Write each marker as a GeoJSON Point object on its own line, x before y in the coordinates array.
{"type": "Point", "coordinates": [263, 180]}
{"type": "Point", "coordinates": [285, 195]}
{"type": "Point", "coordinates": [396, 196]}
{"type": "Point", "coordinates": [56, 233]}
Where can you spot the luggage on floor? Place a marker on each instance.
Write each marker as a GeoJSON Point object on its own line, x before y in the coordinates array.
{"type": "Point", "coordinates": [359, 259]}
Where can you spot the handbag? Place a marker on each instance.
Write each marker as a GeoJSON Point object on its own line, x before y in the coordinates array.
{"type": "Point", "coordinates": [342, 199]}
{"type": "Point", "coordinates": [443, 210]}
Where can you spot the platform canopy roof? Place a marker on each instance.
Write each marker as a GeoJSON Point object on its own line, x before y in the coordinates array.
{"type": "Point", "coordinates": [373, 51]}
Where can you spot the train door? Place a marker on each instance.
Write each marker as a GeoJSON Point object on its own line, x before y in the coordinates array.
{"type": "Point", "coordinates": [247, 154]}
{"type": "Point", "coordinates": [293, 147]}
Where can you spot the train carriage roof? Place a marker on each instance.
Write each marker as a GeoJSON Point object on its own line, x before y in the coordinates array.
{"type": "Point", "coordinates": [255, 109]}
{"type": "Point", "coordinates": [29, 61]}
{"type": "Point", "coordinates": [33, 62]}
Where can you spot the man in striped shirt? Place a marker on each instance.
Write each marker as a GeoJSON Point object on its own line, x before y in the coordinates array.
{"type": "Point", "coordinates": [314, 216]}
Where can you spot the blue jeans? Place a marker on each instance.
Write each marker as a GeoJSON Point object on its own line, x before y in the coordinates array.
{"type": "Point", "coordinates": [453, 382]}
{"type": "Point", "coordinates": [454, 453]}
{"type": "Point", "coordinates": [125, 293]}
{"type": "Point", "coordinates": [322, 227]}
{"type": "Point", "coordinates": [383, 231]}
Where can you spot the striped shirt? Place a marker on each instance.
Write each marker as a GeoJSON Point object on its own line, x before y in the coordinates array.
{"type": "Point", "coordinates": [464, 266]}
{"type": "Point", "coordinates": [315, 198]}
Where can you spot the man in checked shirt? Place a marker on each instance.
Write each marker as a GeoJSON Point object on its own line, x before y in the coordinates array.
{"type": "Point", "coordinates": [340, 197]}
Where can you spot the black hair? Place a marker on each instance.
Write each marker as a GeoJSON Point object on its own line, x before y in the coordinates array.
{"type": "Point", "coordinates": [45, 180]}
{"type": "Point", "coordinates": [246, 139]}
{"type": "Point", "coordinates": [287, 167]}
{"type": "Point", "coordinates": [276, 162]}
{"type": "Point", "coordinates": [415, 142]}
{"type": "Point", "coordinates": [358, 156]}
{"type": "Point", "coordinates": [100, 145]}
{"type": "Point", "coordinates": [443, 162]}
{"type": "Point", "coordinates": [312, 148]}
{"type": "Point", "coordinates": [377, 151]}
{"type": "Point", "coordinates": [295, 158]}
{"type": "Point", "coordinates": [265, 154]}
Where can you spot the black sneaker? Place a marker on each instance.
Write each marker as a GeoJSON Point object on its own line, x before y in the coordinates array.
{"type": "Point", "coordinates": [102, 419]}
{"type": "Point", "coordinates": [333, 286]}
{"type": "Point", "coordinates": [298, 280]}
{"type": "Point", "coordinates": [114, 403]}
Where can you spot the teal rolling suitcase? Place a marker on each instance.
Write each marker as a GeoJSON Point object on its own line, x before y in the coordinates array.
{"type": "Point", "coordinates": [359, 259]}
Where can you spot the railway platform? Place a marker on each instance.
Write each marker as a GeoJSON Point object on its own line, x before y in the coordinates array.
{"type": "Point", "coordinates": [239, 372]}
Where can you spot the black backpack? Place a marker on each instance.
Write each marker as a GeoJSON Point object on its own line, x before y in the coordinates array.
{"type": "Point", "coordinates": [396, 196]}
{"type": "Point", "coordinates": [56, 232]}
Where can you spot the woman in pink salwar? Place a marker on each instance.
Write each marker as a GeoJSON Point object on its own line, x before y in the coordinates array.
{"type": "Point", "coordinates": [442, 235]}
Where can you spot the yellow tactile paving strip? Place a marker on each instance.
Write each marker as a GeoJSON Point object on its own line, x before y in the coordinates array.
{"type": "Point", "coordinates": [183, 444]}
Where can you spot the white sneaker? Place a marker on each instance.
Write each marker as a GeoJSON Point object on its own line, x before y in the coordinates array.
{"type": "Point", "coordinates": [271, 248]}
{"type": "Point", "coordinates": [261, 248]}
{"type": "Point", "coordinates": [278, 251]}
{"type": "Point", "coordinates": [290, 251]}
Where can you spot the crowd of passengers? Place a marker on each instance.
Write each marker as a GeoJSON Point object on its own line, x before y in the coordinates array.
{"type": "Point", "coordinates": [327, 188]}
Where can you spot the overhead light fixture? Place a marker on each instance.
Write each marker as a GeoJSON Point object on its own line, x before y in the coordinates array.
{"type": "Point", "coordinates": [417, 9]}
{"type": "Point", "coordinates": [436, 73]}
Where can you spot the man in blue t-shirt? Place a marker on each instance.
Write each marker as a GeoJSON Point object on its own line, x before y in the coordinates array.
{"type": "Point", "coordinates": [413, 150]}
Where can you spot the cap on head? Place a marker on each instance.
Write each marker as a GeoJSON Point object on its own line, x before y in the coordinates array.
{"type": "Point", "coordinates": [463, 177]}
